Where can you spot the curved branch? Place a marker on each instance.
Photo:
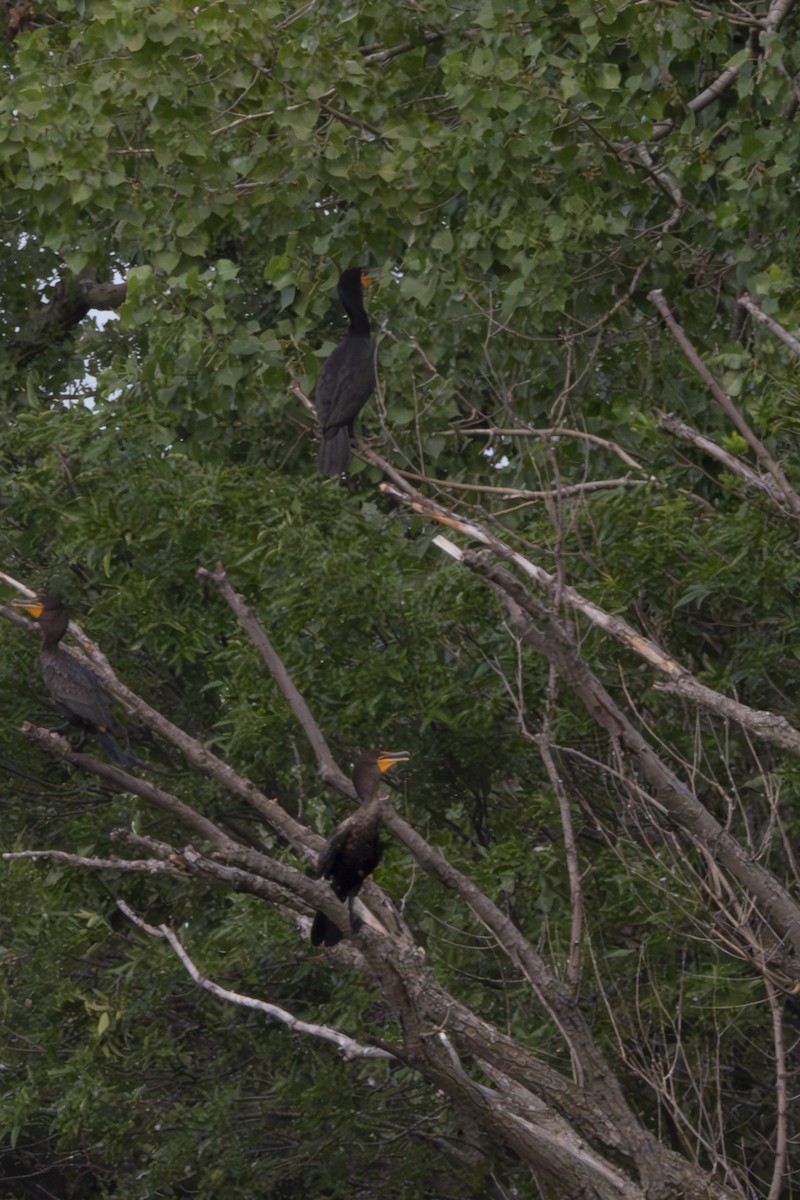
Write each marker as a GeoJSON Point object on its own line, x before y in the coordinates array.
{"type": "Point", "coordinates": [350, 1048]}
{"type": "Point", "coordinates": [570, 489]}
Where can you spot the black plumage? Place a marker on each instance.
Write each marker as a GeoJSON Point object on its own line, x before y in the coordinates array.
{"type": "Point", "coordinates": [354, 850]}
{"type": "Point", "coordinates": [75, 690]}
{"type": "Point", "coordinates": [347, 378]}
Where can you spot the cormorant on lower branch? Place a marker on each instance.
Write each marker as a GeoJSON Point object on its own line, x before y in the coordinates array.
{"type": "Point", "coordinates": [354, 850]}
{"type": "Point", "coordinates": [347, 378]}
{"type": "Point", "coordinates": [75, 690]}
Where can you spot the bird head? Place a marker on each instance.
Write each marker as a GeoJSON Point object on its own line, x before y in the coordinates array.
{"type": "Point", "coordinates": [40, 604]}
{"type": "Point", "coordinates": [371, 766]}
{"type": "Point", "coordinates": [49, 611]}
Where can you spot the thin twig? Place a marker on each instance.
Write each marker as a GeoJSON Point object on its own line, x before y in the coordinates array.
{"type": "Point", "coordinates": [577, 907]}
{"type": "Point", "coordinates": [781, 1093]}
{"type": "Point", "coordinates": [382, 56]}
{"type": "Point", "coordinates": [575, 489]}
{"type": "Point", "coordinates": [546, 435]}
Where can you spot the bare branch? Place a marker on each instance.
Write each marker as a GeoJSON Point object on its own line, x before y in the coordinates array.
{"type": "Point", "coordinates": [389, 917]}
{"type": "Point", "coordinates": [539, 628]}
{"type": "Point", "coordinates": [781, 1094]}
{"type": "Point", "coordinates": [348, 1046]}
{"type": "Point", "coordinates": [766, 725]}
{"type": "Point", "coordinates": [791, 341]}
{"type": "Point", "coordinates": [147, 866]}
{"type": "Point", "coordinates": [297, 835]}
{"type": "Point", "coordinates": [763, 483]}
{"type": "Point", "coordinates": [791, 501]}
{"type": "Point", "coordinates": [778, 11]}
{"type": "Point", "coordinates": [383, 56]}
{"type": "Point", "coordinates": [244, 614]}
{"type": "Point", "coordinates": [551, 434]}
{"type": "Point", "coordinates": [577, 908]}
{"type": "Point", "coordinates": [123, 781]}
{"type": "Point", "coordinates": [549, 990]}
{"type": "Point", "coordinates": [250, 870]}
{"type": "Point", "coordinates": [573, 489]}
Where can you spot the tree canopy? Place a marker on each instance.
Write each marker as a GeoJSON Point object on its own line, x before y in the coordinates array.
{"type": "Point", "coordinates": [561, 571]}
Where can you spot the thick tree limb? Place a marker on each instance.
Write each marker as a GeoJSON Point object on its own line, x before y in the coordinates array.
{"type": "Point", "coordinates": [597, 1081]}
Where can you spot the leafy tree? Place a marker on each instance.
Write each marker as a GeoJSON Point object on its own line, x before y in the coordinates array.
{"type": "Point", "coordinates": [562, 572]}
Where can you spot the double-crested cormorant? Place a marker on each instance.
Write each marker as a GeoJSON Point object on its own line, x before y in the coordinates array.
{"type": "Point", "coordinates": [75, 690]}
{"type": "Point", "coordinates": [354, 850]}
{"type": "Point", "coordinates": [347, 378]}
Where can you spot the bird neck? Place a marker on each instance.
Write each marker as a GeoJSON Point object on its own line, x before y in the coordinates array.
{"type": "Point", "coordinates": [359, 321]}
{"type": "Point", "coordinates": [369, 813]}
{"type": "Point", "coordinates": [53, 632]}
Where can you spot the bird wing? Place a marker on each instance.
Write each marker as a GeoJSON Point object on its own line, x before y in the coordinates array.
{"type": "Point", "coordinates": [345, 384]}
{"type": "Point", "coordinates": [327, 855]}
{"type": "Point", "coordinates": [77, 691]}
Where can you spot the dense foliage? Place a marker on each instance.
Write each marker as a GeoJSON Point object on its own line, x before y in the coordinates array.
{"type": "Point", "coordinates": [525, 176]}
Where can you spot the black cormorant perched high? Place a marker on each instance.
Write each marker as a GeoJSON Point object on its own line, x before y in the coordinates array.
{"type": "Point", "coordinates": [347, 378]}
{"type": "Point", "coordinates": [75, 690]}
{"type": "Point", "coordinates": [354, 850]}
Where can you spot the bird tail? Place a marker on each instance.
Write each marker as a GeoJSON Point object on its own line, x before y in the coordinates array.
{"type": "Point", "coordinates": [324, 932]}
{"type": "Point", "coordinates": [334, 452]}
{"type": "Point", "coordinates": [115, 751]}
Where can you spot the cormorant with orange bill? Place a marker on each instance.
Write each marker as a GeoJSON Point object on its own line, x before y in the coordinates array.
{"type": "Point", "coordinates": [75, 690]}
{"type": "Point", "coordinates": [347, 378]}
{"type": "Point", "coordinates": [354, 850]}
